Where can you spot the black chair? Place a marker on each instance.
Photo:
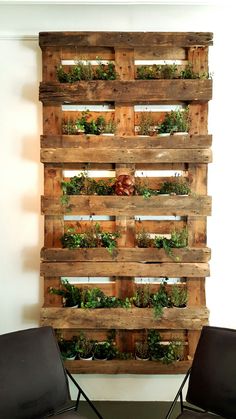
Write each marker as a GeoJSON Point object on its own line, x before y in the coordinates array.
{"type": "Point", "coordinates": [212, 378]}
{"type": "Point", "coordinates": [33, 380]}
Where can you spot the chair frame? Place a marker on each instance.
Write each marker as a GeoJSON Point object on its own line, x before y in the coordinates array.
{"type": "Point", "coordinates": [179, 395]}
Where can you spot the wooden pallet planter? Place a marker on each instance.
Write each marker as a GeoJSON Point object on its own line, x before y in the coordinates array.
{"type": "Point", "coordinates": [128, 152]}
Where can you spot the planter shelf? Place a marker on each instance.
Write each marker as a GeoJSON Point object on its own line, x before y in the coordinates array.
{"type": "Point", "coordinates": [128, 205]}
{"type": "Point", "coordinates": [125, 91]}
{"type": "Point", "coordinates": [124, 319]}
{"type": "Point", "coordinates": [127, 367]}
{"type": "Point", "coordinates": [126, 153]}
{"type": "Point", "coordinates": [135, 254]}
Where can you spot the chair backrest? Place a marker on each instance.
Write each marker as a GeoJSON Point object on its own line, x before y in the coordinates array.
{"type": "Point", "coordinates": [33, 381]}
{"type": "Point", "coordinates": [212, 382]}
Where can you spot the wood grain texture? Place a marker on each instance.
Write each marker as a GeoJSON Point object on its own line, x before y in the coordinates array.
{"type": "Point", "coordinates": [184, 255]}
{"type": "Point", "coordinates": [127, 367]}
{"type": "Point", "coordinates": [133, 205]}
{"type": "Point", "coordinates": [125, 39]}
{"type": "Point", "coordinates": [128, 319]}
{"type": "Point", "coordinates": [124, 155]}
{"type": "Point", "coordinates": [126, 142]}
{"type": "Point", "coordinates": [131, 91]}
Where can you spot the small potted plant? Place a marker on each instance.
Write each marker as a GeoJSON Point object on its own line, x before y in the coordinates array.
{"type": "Point", "coordinates": [141, 297]}
{"type": "Point", "coordinates": [178, 239]}
{"type": "Point", "coordinates": [154, 344]}
{"type": "Point", "coordinates": [175, 122]}
{"type": "Point", "coordinates": [104, 350]}
{"type": "Point", "coordinates": [146, 124]}
{"type": "Point", "coordinates": [68, 348]}
{"type": "Point", "coordinates": [175, 186]}
{"type": "Point", "coordinates": [178, 296]}
{"type": "Point", "coordinates": [142, 351]}
{"type": "Point", "coordinates": [160, 300]}
{"type": "Point", "coordinates": [71, 295]}
{"type": "Point", "coordinates": [85, 348]}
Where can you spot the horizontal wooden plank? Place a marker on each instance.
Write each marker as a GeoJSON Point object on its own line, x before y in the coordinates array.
{"type": "Point", "coordinates": [126, 269]}
{"type": "Point", "coordinates": [126, 367]}
{"type": "Point", "coordinates": [125, 255]}
{"type": "Point", "coordinates": [124, 319]}
{"type": "Point", "coordinates": [160, 53]}
{"type": "Point", "coordinates": [135, 142]}
{"type": "Point", "coordinates": [124, 205]}
{"type": "Point", "coordinates": [122, 155]}
{"type": "Point", "coordinates": [125, 39]}
{"type": "Point", "coordinates": [122, 91]}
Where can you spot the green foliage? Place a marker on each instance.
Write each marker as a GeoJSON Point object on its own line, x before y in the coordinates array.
{"type": "Point", "coordinates": [178, 296]}
{"type": "Point", "coordinates": [143, 239]}
{"type": "Point", "coordinates": [95, 298]}
{"type": "Point", "coordinates": [86, 125]}
{"type": "Point", "coordinates": [83, 185]}
{"type": "Point", "coordinates": [92, 237]}
{"type": "Point", "coordinates": [178, 239]}
{"type": "Point", "coordinates": [153, 339]}
{"type": "Point", "coordinates": [85, 71]}
{"type": "Point", "coordinates": [68, 347]}
{"type": "Point", "coordinates": [170, 352]}
{"type": "Point", "coordinates": [142, 349]}
{"type": "Point", "coordinates": [85, 346]}
{"type": "Point", "coordinates": [160, 299]}
{"type": "Point", "coordinates": [70, 293]}
{"type": "Point", "coordinates": [175, 121]}
{"type": "Point", "coordinates": [176, 186]}
{"type": "Point", "coordinates": [146, 123]}
{"type": "Point", "coordinates": [142, 296]}
{"type": "Point", "coordinates": [105, 350]}
{"type": "Point", "coordinates": [169, 71]}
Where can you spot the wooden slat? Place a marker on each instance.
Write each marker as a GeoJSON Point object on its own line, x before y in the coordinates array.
{"type": "Point", "coordinates": [133, 142]}
{"type": "Point", "coordinates": [128, 319]}
{"type": "Point", "coordinates": [152, 91]}
{"type": "Point", "coordinates": [127, 367]}
{"type": "Point", "coordinates": [125, 255]}
{"type": "Point", "coordinates": [160, 53]}
{"type": "Point", "coordinates": [126, 269]}
{"type": "Point", "coordinates": [125, 39]}
{"type": "Point", "coordinates": [123, 205]}
{"type": "Point", "coordinates": [72, 155]}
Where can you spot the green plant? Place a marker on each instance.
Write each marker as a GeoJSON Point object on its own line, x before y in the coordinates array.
{"type": "Point", "coordinates": [83, 70]}
{"type": "Point", "coordinates": [143, 239]}
{"type": "Point", "coordinates": [153, 340]}
{"type": "Point", "coordinates": [85, 346]}
{"type": "Point", "coordinates": [142, 350]}
{"type": "Point", "coordinates": [69, 127]}
{"type": "Point", "coordinates": [92, 237]}
{"type": "Point", "coordinates": [146, 123]}
{"type": "Point", "coordinates": [160, 299]}
{"type": "Point", "coordinates": [189, 73]}
{"type": "Point", "coordinates": [68, 347]}
{"type": "Point", "coordinates": [141, 297]}
{"type": "Point", "coordinates": [149, 72]}
{"type": "Point", "coordinates": [169, 71]}
{"type": "Point", "coordinates": [105, 350]}
{"type": "Point", "coordinates": [176, 186]}
{"type": "Point", "coordinates": [95, 298]}
{"type": "Point", "coordinates": [178, 296]}
{"type": "Point", "coordinates": [175, 121]}
{"type": "Point", "coordinates": [83, 185]}
{"type": "Point", "coordinates": [71, 295]}
{"type": "Point", "coordinates": [171, 352]}
{"type": "Point", "coordinates": [178, 239]}
{"type": "Point", "coordinates": [142, 188]}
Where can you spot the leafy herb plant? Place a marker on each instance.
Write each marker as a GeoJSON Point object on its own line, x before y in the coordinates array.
{"type": "Point", "coordinates": [175, 121]}
{"type": "Point", "coordinates": [71, 294]}
{"type": "Point", "coordinates": [175, 186]}
{"type": "Point", "coordinates": [83, 70]}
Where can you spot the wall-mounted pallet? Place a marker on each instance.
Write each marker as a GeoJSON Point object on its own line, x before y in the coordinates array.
{"type": "Point", "coordinates": [127, 152]}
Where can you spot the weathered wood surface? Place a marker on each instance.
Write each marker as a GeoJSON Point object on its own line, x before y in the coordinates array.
{"type": "Point", "coordinates": [126, 367]}
{"type": "Point", "coordinates": [124, 319]}
{"type": "Point", "coordinates": [131, 91]}
{"type": "Point", "coordinates": [133, 205]}
{"type": "Point", "coordinates": [184, 255]}
{"type": "Point", "coordinates": [124, 155]}
{"type": "Point", "coordinates": [125, 39]}
{"type": "Point", "coordinates": [124, 269]}
{"type": "Point", "coordinates": [133, 142]}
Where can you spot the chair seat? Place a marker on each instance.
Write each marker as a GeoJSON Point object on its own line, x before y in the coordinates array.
{"type": "Point", "coordinates": [188, 414]}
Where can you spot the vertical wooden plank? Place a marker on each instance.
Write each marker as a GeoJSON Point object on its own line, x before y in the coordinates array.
{"type": "Point", "coordinates": [51, 59]}
{"type": "Point", "coordinates": [198, 58]}
{"type": "Point", "coordinates": [124, 116]}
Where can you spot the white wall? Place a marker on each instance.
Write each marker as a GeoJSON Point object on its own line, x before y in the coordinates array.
{"type": "Point", "coordinates": [21, 173]}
